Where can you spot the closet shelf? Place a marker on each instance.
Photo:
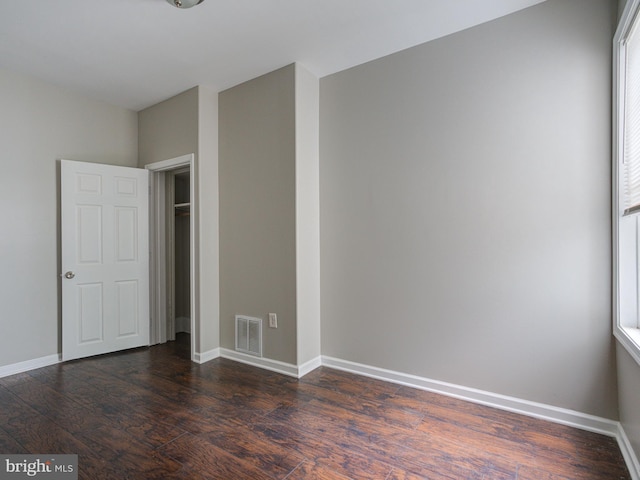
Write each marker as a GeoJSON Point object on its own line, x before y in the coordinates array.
{"type": "Point", "coordinates": [182, 209]}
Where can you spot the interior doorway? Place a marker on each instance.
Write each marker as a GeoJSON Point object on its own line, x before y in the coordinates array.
{"type": "Point", "coordinates": [173, 250]}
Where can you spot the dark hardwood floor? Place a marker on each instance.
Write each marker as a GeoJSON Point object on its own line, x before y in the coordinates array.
{"type": "Point", "coordinates": [152, 414]}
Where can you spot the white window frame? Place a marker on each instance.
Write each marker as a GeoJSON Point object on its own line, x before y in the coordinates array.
{"type": "Point", "coordinates": [626, 229]}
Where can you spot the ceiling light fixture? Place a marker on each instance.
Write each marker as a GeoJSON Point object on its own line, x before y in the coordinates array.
{"type": "Point", "coordinates": [185, 3]}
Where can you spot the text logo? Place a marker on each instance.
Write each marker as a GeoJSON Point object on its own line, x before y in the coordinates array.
{"type": "Point", "coordinates": [45, 466]}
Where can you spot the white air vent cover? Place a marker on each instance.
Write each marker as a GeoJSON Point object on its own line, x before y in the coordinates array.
{"type": "Point", "coordinates": [249, 335]}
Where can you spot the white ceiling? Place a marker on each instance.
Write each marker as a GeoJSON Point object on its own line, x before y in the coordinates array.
{"type": "Point", "coordinates": [135, 53]}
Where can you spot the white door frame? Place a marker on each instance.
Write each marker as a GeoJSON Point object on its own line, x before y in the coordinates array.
{"type": "Point", "coordinates": [157, 246]}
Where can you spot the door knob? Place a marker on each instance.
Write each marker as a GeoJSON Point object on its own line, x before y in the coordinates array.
{"type": "Point", "coordinates": [69, 275]}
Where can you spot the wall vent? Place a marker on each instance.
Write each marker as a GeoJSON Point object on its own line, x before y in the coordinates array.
{"type": "Point", "coordinates": [249, 335]}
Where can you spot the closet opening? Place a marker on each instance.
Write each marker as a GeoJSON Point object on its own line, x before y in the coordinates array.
{"type": "Point", "coordinates": [173, 221]}
{"type": "Point", "coordinates": [178, 260]}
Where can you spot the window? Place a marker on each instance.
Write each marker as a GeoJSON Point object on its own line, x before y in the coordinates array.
{"type": "Point", "coordinates": [626, 178]}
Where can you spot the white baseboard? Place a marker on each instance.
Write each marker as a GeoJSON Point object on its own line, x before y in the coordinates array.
{"type": "Point", "coordinates": [309, 366]}
{"type": "Point", "coordinates": [525, 407]}
{"type": "Point", "coordinates": [272, 365]}
{"type": "Point", "coordinates": [260, 362]}
{"type": "Point", "coordinates": [20, 367]}
{"type": "Point", "coordinates": [206, 356]}
{"type": "Point", "coordinates": [563, 416]}
{"type": "Point", "coordinates": [629, 455]}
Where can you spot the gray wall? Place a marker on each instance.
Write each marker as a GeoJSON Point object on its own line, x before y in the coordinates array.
{"type": "Point", "coordinates": [465, 208]}
{"type": "Point", "coordinates": [208, 269]}
{"type": "Point", "coordinates": [184, 124]}
{"type": "Point", "coordinates": [39, 124]}
{"type": "Point", "coordinates": [169, 129]}
{"type": "Point", "coordinates": [257, 209]}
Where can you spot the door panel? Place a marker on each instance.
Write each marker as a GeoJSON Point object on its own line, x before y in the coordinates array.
{"type": "Point", "coordinates": [105, 238]}
{"type": "Point", "coordinates": [126, 226]}
{"type": "Point", "coordinates": [91, 313]}
{"type": "Point", "coordinates": [127, 308]}
{"type": "Point", "coordinates": [89, 234]}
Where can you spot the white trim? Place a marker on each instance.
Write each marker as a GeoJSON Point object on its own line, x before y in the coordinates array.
{"type": "Point", "coordinates": [629, 455]}
{"type": "Point", "coordinates": [164, 166]}
{"type": "Point", "coordinates": [629, 338]}
{"type": "Point", "coordinates": [170, 164]}
{"type": "Point", "coordinates": [261, 362]}
{"type": "Point", "coordinates": [277, 366]}
{"type": "Point", "coordinates": [563, 416]}
{"type": "Point", "coordinates": [27, 365]}
{"type": "Point", "coordinates": [625, 243]}
{"type": "Point", "coordinates": [309, 366]}
{"type": "Point", "coordinates": [157, 265]}
{"type": "Point", "coordinates": [625, 230]}
{"type": "Point", "coordinates": [206, 356]}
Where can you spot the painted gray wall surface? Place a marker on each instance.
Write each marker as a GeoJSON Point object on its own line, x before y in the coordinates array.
{"type": "Point", "coordinates": [184, 124]}
{"type": "Point", "coordinates": [621, 5]}
{"type": "Point", "coordinates": [169, 129]}
{"type": "Point", "coordinates": [257, 209]}
{"type": "Point", "coordinates": [39, 124]}
{"type": "Point", "coordinates": [207, 269]}
{"type": "Point", "coordinates": [465, 208]}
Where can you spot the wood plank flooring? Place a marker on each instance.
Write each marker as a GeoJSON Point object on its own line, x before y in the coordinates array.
{"type": "Point", "coordinates": [152, 414]}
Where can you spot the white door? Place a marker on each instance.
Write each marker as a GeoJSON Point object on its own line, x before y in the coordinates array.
{"type": "Point", "coordinates": [105, 258]}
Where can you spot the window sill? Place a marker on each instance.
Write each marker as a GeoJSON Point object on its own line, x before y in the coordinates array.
{"type": "Point", "coordinates": [629, 338]}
